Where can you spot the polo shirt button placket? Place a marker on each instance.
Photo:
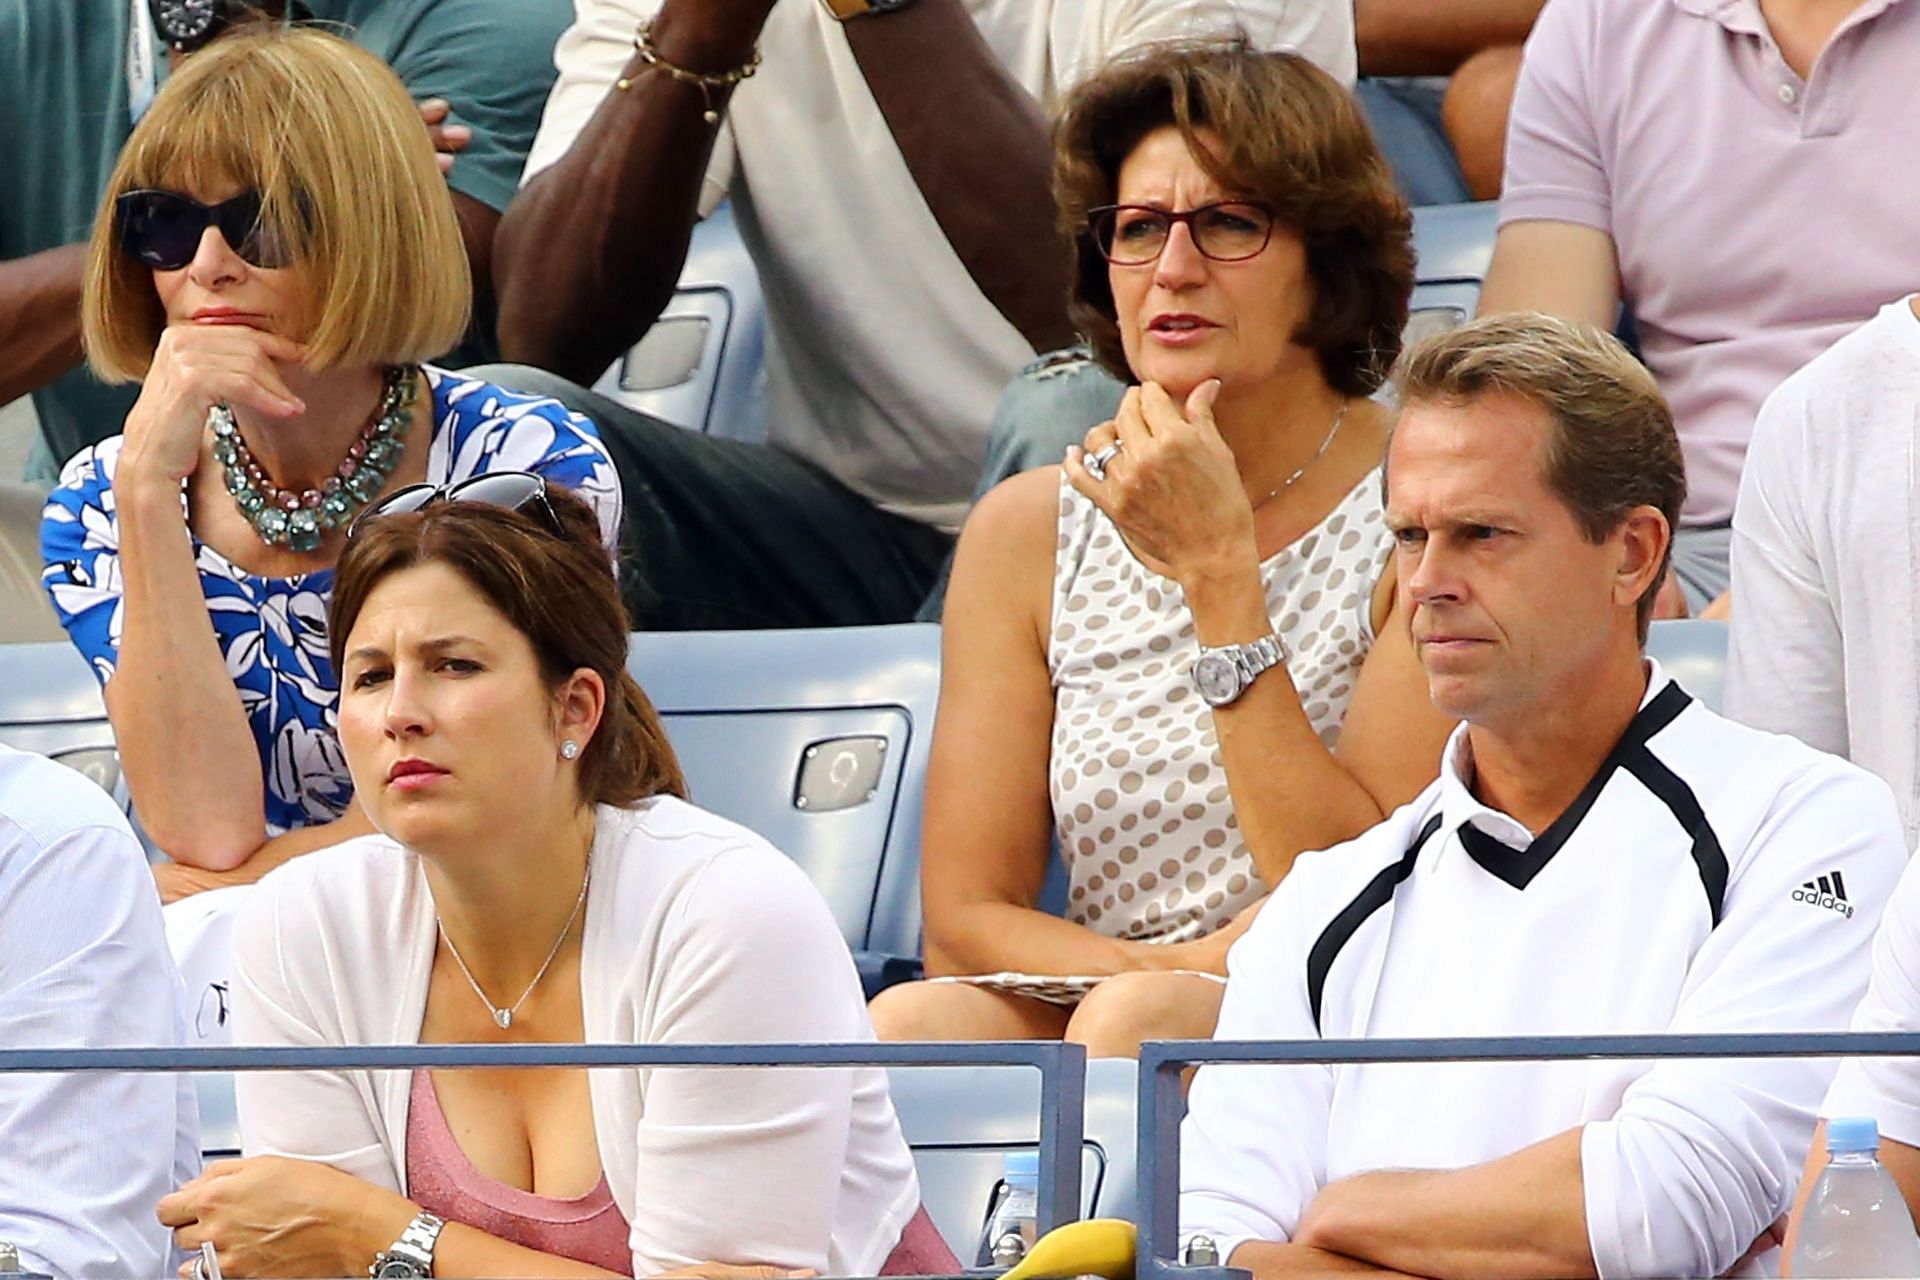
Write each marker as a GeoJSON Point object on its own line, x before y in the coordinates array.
{"type": "Point", "coordinates": [1788, 94]}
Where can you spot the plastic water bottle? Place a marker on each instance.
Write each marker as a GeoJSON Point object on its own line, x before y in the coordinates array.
{"type": "Point", "coordinates": [1856, 1221]}
{"type": "Point", "coordinates": [1013, 1222]}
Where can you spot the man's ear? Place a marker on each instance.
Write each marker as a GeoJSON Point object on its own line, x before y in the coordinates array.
{"type": "Point", "coordinates": [1643, 538]}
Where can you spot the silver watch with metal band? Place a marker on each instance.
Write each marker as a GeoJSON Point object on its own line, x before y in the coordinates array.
{"type": "Point", "coordinates": [845, 9]}
{"type": "Point", "coordinates": [1223, 674]}
{"type": "Point", "coordinates": [411, 1256]}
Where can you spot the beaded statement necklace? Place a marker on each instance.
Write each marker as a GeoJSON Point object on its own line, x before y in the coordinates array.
{"type": "Point", "coordinates": [299, 519]}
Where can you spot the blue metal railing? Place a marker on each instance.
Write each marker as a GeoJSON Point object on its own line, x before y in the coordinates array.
{"type": "Point", "coordinates": [1062, 1069]}
{"type": "Point", "coordinates": [1163, 1101]}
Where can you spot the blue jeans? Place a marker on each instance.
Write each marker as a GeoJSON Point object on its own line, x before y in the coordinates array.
{"type": "Point", "coordinates": [1405, 115]}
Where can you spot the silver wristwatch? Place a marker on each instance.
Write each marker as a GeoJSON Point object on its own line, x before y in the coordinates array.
{"type": "Point", "coordinates": [1223, 674]}
{"type": "Point", "coordinates": [411, 1256]}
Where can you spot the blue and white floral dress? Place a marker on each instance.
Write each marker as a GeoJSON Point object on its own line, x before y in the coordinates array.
{"type": "Point", "coordinates": [273, 631]}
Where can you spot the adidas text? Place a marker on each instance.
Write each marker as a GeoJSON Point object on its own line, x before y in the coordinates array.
{"type": "Point", "coordinates": [1829, 891]}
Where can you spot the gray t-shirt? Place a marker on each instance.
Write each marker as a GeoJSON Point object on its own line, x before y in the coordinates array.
{"type": "Point", "coordinates": [64, 117]}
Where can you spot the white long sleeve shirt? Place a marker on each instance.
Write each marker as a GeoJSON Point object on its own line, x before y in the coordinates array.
{"type": "Point", "coordinates": [1826, 557]}
{"type": "Point", "coordinates": [84, 1158]}
{"type": "Point", "coordinates": [1682, 892]}
{"type": "Point", "coordinates": [696, 932]}
{"type": "Point", "coordinates": [885, 360]}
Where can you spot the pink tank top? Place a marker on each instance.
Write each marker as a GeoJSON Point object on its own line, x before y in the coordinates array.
{"type": "Point", "coordinates": [590, 1229]}
{"type": "Point", "coordinates": [441, 1180]}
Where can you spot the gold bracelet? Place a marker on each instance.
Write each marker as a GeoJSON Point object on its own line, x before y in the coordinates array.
{"type": "Point", "coordinates": [643, 45]}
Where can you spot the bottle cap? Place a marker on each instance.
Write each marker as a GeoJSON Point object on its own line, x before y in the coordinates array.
{"type": "Point", "coordinates": [1023, 1166]}
{"type": "Point", "coordinates": [1853, 1133]}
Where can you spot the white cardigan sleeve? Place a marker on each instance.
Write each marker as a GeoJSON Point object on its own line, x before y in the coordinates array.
{"type": "Point", "coordinates": [744, 1166]}
{"type": "Point", "coordinates": [328, 1116]}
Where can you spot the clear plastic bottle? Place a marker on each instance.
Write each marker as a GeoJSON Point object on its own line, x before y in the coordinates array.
{"type": "Point", "coordinates": [1856, 1222]}
{"type": "Point", "coordinates": [1013, 1222]}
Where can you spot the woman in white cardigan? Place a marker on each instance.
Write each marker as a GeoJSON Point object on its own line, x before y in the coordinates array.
{"type": "Point", "coordinates": [537, 879]}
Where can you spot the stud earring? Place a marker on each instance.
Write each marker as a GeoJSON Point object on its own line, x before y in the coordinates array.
{"type": "Point", "coordinates": [569, 749]}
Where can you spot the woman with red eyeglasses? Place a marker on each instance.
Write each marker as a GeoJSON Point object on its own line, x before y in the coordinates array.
{"type": "Point", "coordinates": [274, 259]}
{"type": "Point", "coordinates": [1178, 657]}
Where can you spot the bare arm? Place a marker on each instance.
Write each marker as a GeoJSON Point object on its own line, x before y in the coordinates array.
{"type": "Point", "coordinates": [590, 250]}
{"type": "Point", "coordinates": [39, 318]}
{"type": "Point", "coordinates": [989, 819]}
{"type": "Point", "coordinates": [1268, 1261]}
{"type": "Point", "coordinates": [189, 757]}
{"type": "Point", "coordinates": [179, 880]}
{"type": "Point", "coordinates": [1521, 1217]}
{"type": "Point", "coordinates": [1420, 38]}
{"type": "Point", "coordinates": [1561, 268]}
{"type": "Point", "coordinates": [1290, 793]}
{"type": "Point", "coordinates": [987, 183]}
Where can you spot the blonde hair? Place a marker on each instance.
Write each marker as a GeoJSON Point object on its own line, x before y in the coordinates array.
{"type": "Point", "coordinates": [329, 137]}
{"type": "Point", "coordinates": [1611, 445]}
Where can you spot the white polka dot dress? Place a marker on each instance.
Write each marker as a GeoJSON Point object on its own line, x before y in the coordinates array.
{"type": "Point", "coordinates": [1140, 802]}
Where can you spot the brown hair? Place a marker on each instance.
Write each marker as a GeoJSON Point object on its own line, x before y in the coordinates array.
{"type": "Point", "coordinates": [1286, 135]}
{"type": "Point", "coordinates": [1610, 445]}
{"type": "Point", "coordinates": [328, 136]}
{"type": "Point", "coordinates": [559, 592]}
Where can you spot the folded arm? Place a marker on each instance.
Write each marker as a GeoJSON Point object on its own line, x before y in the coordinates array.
{"type": "Point", "coordinates": [1521, 1217]}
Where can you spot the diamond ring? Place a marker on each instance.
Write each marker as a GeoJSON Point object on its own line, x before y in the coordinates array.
{"type": "Point", "coordinates": [1096, 462]}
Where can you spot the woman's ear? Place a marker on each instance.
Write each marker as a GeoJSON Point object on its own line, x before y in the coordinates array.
{"type": "Point", "coordinates": [581, 700]}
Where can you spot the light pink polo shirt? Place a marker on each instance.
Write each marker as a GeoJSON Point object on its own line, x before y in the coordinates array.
{"type": "Point", "coordinates": [1758, 217]}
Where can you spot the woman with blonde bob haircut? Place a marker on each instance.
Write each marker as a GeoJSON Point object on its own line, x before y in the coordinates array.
{"type": "Point", "coordinates": [275, 257]}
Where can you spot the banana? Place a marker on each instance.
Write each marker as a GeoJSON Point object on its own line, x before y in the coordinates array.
{"type": "Point", "coordinates": [1097, 1247]}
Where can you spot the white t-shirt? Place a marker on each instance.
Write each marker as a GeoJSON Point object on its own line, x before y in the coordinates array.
{"type": "Point", "coordinates": [1681, 892]}
{"type": "Point", "coordinates": [885, 360]}
{"type": "Point", "coordinates": [697, 932]}
{"type": "Point", "coordinates": [1826, 554]}
{"type": "Point", "coordinates": [84, 965]}
{"type": "Point", "coordinates": [1888, 1089]}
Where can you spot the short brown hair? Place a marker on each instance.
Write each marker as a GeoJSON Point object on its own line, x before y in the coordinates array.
{"type": "Point", "coordinates": [1611, 445]}
{"type": "Point", "coordinates": [559, 592]}
{"type": "Point", "coordinates": [1286, 135]}
{"type": "Point", "coordinates": [328, 136]}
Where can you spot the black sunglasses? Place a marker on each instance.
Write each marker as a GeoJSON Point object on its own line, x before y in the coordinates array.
{"type": "Point", "coordinates": [513, 490]}
{"type": "Point", "coordinates": [163, 229]}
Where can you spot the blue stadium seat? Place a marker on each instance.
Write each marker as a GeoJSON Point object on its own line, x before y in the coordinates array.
{"type": "Point", "coordinates": [816, 739]}
{"type": "Point", "coordinates": [51, 703]}
{"type": "Point", "coordinates": [1454, 244]}
{"type": "Point", "coordinates": [962, 1124]}
{"type": "Point", "coordinates": [1694, 652]}
{"type": "Point", "coordinates": [702, 365]}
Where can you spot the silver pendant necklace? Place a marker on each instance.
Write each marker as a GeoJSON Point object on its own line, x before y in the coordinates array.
{"type": "Point", "coordinates": [1301, 470]}
{"type": "Point", "coordinates": [504, 1017]}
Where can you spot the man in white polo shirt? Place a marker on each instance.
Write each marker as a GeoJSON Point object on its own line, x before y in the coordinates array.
{"type": "Point", "coordinates": [1600, 854]}
{"type": "Point", "coordinates": [888, 161]}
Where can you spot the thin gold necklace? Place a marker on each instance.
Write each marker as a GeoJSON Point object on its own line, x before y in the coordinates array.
{"type": "Point", "coordinates": [504, 1017]}
{"type": "Point", "coordinates": [1301, 470]}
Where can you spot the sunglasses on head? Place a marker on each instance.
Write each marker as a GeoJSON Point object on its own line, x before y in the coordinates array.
{"type": "Point", "coordinates": [163, 229]}
{"type": "Point", "coordinates": [513, 490]}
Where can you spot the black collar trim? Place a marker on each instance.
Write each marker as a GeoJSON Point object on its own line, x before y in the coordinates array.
{"type": "Point", "coordinates": [1518, 867]}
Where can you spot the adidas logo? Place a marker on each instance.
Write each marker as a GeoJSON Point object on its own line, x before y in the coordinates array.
{"type": "Point", "coordinates": [1829, 892]}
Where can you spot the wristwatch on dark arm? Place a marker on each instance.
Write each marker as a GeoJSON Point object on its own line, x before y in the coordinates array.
{"type": "Point", "coordinates": [411, 1256]}
{"type": "Point", "coordinates": [845, 9]}
{"type": "Point", "coordinates": [1223, 674]}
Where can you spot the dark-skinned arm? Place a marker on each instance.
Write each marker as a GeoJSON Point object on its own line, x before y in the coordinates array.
{"type": "Point", "coordinates": [976, 143]}
{"type": "Point", "coordinates": [589, 252]}
{"type": "Point", "coordinates": [39, 318]}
